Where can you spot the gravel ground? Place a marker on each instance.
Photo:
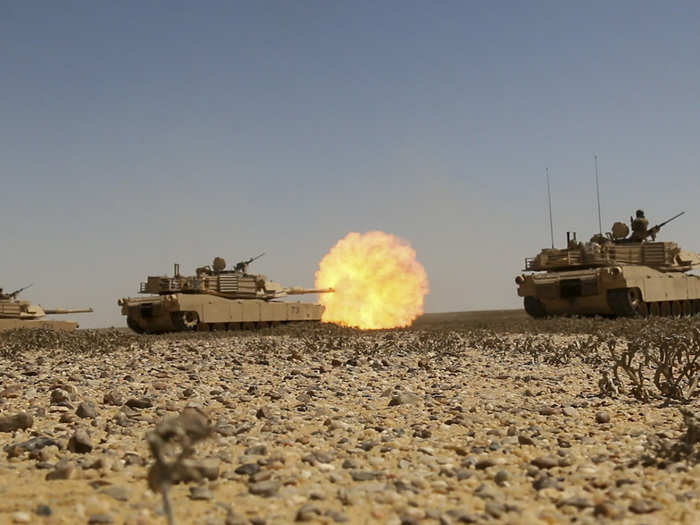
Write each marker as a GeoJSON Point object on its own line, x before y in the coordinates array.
{"type": "Point", "coordinates": [384, 427]}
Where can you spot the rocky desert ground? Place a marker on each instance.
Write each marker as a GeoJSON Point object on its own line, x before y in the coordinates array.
{"type": "Point", "coordinates": [481, 419]}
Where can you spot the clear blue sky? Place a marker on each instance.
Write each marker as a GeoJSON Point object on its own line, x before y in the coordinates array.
{"type": "Point", "coordinates": [138, 134]}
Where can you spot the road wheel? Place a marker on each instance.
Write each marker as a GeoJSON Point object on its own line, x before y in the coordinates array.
{"type": "Point", "coordinates": [534, 307]}
{"type": "Point", "coordinates": [676, 309]}
{"type": "Point", "coordinates": [687, 308]}
{"type": "Point", "coordinates": [643, 309]}
{"type": "Point", "coordinates": [185, 321]}
{"type": "Point", "coordinates": [665, 308]}
{"type": "Point", "coordinates": [654, 309]}
{"type": "Point", "coordinates": [134, 325]}
{"type": "Point", "coordinates": [627, 302]}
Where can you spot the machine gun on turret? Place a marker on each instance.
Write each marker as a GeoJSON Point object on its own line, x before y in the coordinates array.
{"type": "Point", "coordinates": [651, 232]}
{"type": "Point", "coordinates": [242, 266]}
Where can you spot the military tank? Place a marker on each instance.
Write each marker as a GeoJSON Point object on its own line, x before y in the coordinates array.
{"type": "Point", "coordinates": [612, 275]}
{"type": "Point", "coordinates": [215, 299]}
{"type": "Point", "coordinates": [15, 313]}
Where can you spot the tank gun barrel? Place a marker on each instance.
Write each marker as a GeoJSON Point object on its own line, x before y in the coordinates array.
{"type": "Point", "coordinates": [303, 291]}
{"type": "Point", "coordinates": [57, 311]}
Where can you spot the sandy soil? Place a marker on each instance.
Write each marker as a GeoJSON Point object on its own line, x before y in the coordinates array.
{"type": "Point", "coordinates": [406, 427]}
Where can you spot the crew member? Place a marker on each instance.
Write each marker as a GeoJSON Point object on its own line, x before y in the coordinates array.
{"type": "Point", "coordinates": [639, 227]}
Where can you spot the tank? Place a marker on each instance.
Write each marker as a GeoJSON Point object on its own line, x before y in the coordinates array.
{"type": "Point", "coordinates": [16, 313]}
{"type": "Point", "coordinates": [215, 299]}
{"type": "Point", "coordinates": [612, 275]}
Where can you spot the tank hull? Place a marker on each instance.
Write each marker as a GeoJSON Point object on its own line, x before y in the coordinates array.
{"type": "Point", "coordinates": [621, 291]}
{"type": "Point", "coordinates": [11, 324]}
{"type": "Point", "coordinates": [185, 312]}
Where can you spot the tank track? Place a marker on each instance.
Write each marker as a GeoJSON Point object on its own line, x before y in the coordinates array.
{"type": "Point", "coordinates": [628, 302]}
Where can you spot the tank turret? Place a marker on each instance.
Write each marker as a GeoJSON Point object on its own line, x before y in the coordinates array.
{"type": "Point", "coordinates": [614, 275]}
{"type": "Point", "coordinates": [215, 297]}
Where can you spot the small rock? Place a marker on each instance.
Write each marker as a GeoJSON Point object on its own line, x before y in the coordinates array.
{"type": "Point", "coordinates": [263, 413]}
{"type": "Point", "coordinates": [484, 463]}
{"type": "Point", "coordinates": [525, 440]}
{"type": "Point", "coordinates": [258, 450]}
{"type": "Point", "coordinates": [43, 510]}
{"type": "Point", "coordinates": [265, 488]}
{"type": "Point", "coordinates": [112, 398]}
{"type": "Point", "coordinates": [462, 516]}
{"type": "Point", "coordinates": [403, 398]}
{"type": "Point", "coordinates": [501, 477]}
{"type": "Point", "coordinates": [495, 509]}
{"type": "Point", "coordinates": [97, 519]}
{"type": "Point", "coordinates": [545, 462]}
{"type": "Point", "coordinates": [602, 418]}
{"type": "Point", "coordinates": [578, 502]}
{"type": "Point", "coordinates": [80, 442]}
{"type": "Point", "coordinates": [64, 469]}
{"type": "Point", "coordinates": [87, 409]}
{"type": "Point", "coordinates": [200, 493]}
{"type": "Point", "coordinates": [349, 464]}
{"type": "Point", "coordinates": [142, 402]}
{"type": "Point", "coordinates": [116, 492]}
{"type": "Point", "coordinates": [337, 516]}
{"type": "Point", "coordinates": [644, 506]}
{"type": "Point", "coordinates": [19, 421]}
{"type": "Point", "coordinates": [232, 518]}
{"type": "Point", "coordinates": [209, 468]}
{"type": "Point", "coordinates": [66, 417]}
{"type": "Point", "coordinates": [59, 396]}
{"type": "Point", "coordinates": [248, 469]}
{"type": "Point", "coordinates": [21, 517]}
{"type": "Point", "coordinates": [363, 475]}
{"type": "Point", "coordinates": [608, 510]}
{"type": "Point", "coordinates": [308, 512]}
{"type": "Point", "coordinates": [544, 482]}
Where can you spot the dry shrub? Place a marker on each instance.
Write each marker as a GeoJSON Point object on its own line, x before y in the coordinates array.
{"type": "Point", "coordinates": [665, 353]}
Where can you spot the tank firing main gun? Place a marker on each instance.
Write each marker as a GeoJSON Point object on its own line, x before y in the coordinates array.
{"type": "Point", "coordinates": [13, 295]}
{"type": "Point", "coordinates": [242, 266]}
{"type": "Point", "coordinates": [651, 232]}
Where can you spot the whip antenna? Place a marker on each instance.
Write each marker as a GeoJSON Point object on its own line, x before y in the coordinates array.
{"type": "Point", "coordinates": [549, 198]}
{"type": "Point", "coordinates": [597, 192]}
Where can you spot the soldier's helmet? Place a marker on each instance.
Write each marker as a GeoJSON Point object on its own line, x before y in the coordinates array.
{"type": "Point", "coordinates": [640, 214]}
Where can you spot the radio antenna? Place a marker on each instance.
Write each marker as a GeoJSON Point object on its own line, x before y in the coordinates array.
{"type": "Point", "coordinates": [549, 198]}
{"type": "Point", "coordinates": [597, 192]}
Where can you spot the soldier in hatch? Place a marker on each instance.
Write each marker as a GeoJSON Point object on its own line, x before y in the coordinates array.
{"type": "Point", "coordinates": [639, 226]}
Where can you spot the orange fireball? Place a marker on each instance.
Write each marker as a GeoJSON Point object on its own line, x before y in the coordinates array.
{"type": "Point", "coordinates": [377, 280]}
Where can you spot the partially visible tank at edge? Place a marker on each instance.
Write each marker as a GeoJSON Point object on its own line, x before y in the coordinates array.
{"type": "Point", "coordinates": [215, 299]}
{"type": "Point", "coordinates": [15, 313]}
{"type": "Point", "coordinates": [612, 275]}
